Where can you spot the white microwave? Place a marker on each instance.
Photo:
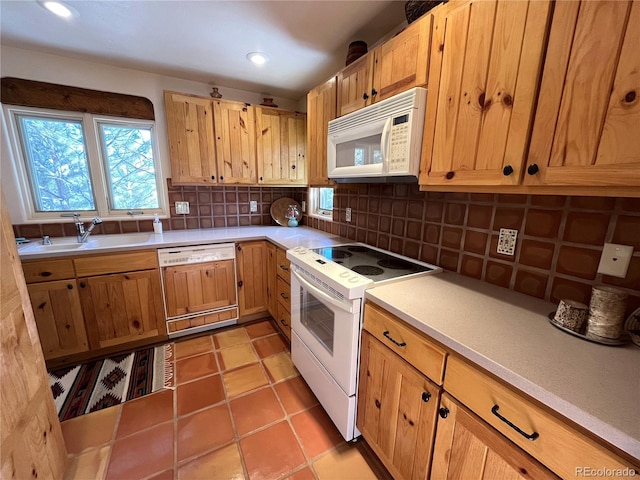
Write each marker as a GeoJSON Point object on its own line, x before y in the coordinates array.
{"type": "Point", "coordinates": [380, 142]}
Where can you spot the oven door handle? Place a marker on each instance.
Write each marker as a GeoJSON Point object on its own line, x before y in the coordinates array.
{"type": "Point", "coordinates": [323, 295]}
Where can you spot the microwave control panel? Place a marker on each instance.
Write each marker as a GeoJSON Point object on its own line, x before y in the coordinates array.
{"type": "Point", "coordinates": [399, 144]}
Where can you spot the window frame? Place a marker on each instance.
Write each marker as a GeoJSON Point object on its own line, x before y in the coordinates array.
{"type": "Point", "coordinates": [314, 204]}
{"type": "Point", "coordinates": [97, 165]}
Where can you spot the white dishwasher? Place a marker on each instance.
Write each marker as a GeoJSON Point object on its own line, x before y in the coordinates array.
{"type": "Point", "coordinates": [199, 287]}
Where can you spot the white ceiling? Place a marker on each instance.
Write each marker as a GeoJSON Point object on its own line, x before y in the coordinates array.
{"type": "Point", "coordinates": [206, 40]}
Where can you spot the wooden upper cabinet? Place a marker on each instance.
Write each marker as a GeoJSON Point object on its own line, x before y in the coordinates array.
{"type": "Point", "coordinates": [354, 85]}
{"type": "Point", "coordinates": [402, 62]}
{"type": "Point", "coordinates": [397, 65]}
{"type": "Point", "coordinates": [466, 447]}
{"type": "Point", "coordinates": [587, 126]}
{"type": "Point", "coordinates": [484, 74]}
{"type": "Point", "coordinates": [281, 146]}
{"type": "Point", "coordinates": [235, 142]}
{"type": "Point", "coordinates": [191, 142]}
{"type": "Point", "coordinates": [321, 108]}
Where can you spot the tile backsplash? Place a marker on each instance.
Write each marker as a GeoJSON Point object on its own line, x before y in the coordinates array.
{"type": "Point", "coordinates": [559, 240]}
{"type": "Point", "coordinates": [209, 207]}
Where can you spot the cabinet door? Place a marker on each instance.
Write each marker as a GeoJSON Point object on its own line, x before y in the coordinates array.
{"type": "Point", "coordinates": [251, 262]}
{"type": "Point", "coordinates": [235, 142]}
{"type": "Point", "coordinates": [122, 308]}
{"type": "Point", "coordinates": [486, 61]}
{"type": "Point", "coordinates": [191, 143]}
{"type": "Point", "coordinates": [200, 287]}
{"type": "Point", "coordinates": [466, 447]}
{"type": "Point", "coordinates": [281, 146]}
{"type": "Point", "coordinates": [56, 306]}
{"type": "Point", "coordinates": [402, 62]}
{"type": "Point", "coordinates": [397, 409]}
{"type": "Point", "coordinates": [272, 280]}
{"type": "Point", "coordinates": [587, 125]}
{"type": "Point", "coordinates": [321, 108]}
{"type": "Point", "coordinates": [354, 85]}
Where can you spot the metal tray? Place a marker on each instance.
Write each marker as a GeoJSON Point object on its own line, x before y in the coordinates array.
{"type": "Point", "coordinates": [623, 340]}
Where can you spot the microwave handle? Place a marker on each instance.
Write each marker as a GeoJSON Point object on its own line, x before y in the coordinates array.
{"type": "Point", "coordinates": [316, 291]}
{"type": "Point", "coordinates": [384, 144]}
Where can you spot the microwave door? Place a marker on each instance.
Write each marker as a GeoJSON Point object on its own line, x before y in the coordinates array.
{"type": "Point", "coordinates": [356, 151]}
{"type": "Point", "coordinates": [384, 145]}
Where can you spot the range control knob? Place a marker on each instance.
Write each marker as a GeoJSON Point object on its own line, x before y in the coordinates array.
{"type": "Point", "coordinates": [354, 279]}
{"type": "Point", "coordinates": [345, 274]}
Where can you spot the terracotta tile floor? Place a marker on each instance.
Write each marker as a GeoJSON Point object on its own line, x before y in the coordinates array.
{"type": "Point", "coordinates": [240, 411]}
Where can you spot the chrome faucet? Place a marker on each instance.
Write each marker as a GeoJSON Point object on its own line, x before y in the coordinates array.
{"type": "Point", "coordinates": [83, 234]}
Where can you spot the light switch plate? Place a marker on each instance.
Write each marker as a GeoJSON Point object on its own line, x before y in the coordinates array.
{"type": "Point", "coordinates": [507, 241]}
{"type": "Point", "coordinates": [615, 260]}
{"type": "Point", "coordinates": [182, 208]}
{"type": "Point", "coordinates": [253, 206]}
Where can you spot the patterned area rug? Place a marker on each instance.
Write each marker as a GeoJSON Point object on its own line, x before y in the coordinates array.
{"type": "Point", "coordinates": [100, 384]}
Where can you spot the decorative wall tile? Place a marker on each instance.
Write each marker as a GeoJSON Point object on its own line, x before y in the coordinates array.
{"type": "Point", "coordinates": [536, 254]}
{"type": "Point", "coordinates": [530, 283]}
{"type": "Point", "coordinates": [543, 223]}
{"type": "Point", "coordinates": [590, 228]}
{"type": "Point", "coordinates": [578, 262]}
{"type": "Point", "coordinates": [627, 231]}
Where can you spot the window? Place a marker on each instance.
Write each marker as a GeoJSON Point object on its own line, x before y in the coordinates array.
{"type": "Point", "coordinates": [94, 165]}
{"type": "Point", "coordinates": [321, 203]}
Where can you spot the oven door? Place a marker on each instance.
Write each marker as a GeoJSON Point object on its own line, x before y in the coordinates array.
{"type": "Point", "coordinates": [329, 327]}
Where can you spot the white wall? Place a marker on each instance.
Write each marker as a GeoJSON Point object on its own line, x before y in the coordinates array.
{"type": "Point", "coordinates": [32, 65]}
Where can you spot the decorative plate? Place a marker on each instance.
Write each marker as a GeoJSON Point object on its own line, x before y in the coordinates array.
{"type": "Point", "coordinates": [279, 210]}
{"type": "Point", "coordinates": [632, 326]}
{"type": "Point", "coordinates": [623, 340]}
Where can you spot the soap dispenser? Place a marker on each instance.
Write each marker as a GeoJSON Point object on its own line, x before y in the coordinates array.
{"type": "Point", "coordinates": [157, 224]}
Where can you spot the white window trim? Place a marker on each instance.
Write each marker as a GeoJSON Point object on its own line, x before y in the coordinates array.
{"type": "Point", "coordinates": [24, 211]}
{"type": "Point", "coordinates": [313, 200]}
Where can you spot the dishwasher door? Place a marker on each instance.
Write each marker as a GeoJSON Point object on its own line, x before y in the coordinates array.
{"type": "Point", "coordinates": [199, 287]}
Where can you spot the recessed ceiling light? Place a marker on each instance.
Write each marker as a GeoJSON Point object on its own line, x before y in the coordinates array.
{"type": "Point", "coordinates": [59, 8]}
{"type": "Point", "coordinates": [258, 58]}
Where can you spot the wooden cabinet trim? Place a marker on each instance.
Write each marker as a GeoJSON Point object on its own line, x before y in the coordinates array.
{"type": "Point", "coordinates": [115, 263]}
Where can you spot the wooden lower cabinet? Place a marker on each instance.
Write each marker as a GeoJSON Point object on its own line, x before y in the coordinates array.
{"type": "Point", "coordinates": [251, 265]}
{"type": "Point", "coordinates": [283, 292]}
{"type": "Point", "coordinates": [272, 279]}
{"type": "Point", "coordinates": [58, 314]}
{"type": "Point", "coordinates": [122, 308]}
{"type": "Point", "coordinates": [397, 408]}
{"type": "Point", "coordinates": [199, 287]}
{"type": "Point", "coordinates": [467, 447]}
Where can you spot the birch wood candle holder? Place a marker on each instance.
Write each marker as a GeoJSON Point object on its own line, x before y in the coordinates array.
{"type": "Point", "coordinates": [606, 312]}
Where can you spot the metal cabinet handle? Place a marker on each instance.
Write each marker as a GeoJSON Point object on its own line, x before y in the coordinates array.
{"type": "Point", "coordinates": [283, 322]}
{"type": "Point", "coordinates": [443, 412]}
{"type": "Point", "coordinates": [284, 296]}
{"type": "Point", "coordinates": [282, 267]}
{"type": "Point", "coordinates": [374, 92]}
{"type": "Point", "coordinates": [526, 435]}
{"type": "Point", "coordinates": [365, 96]}
{"type": "Point", "coordinates": [426, 396]}
{"type": "Point", "coordinates": [386, 334]}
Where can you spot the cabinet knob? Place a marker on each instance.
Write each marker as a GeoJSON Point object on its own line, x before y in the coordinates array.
{"type": "Point", "coordinates": [443, 412]}
{"type": "Point", "coordinates": [70, 287]}
{"type": "Point", "coordinates": [293, 167]}
{"type": "Point", "coordinates": [507, 170]}
{"type": "Point", "coordinates": [213, 177]}
{"type": "Point", "coordinates": [365, 96]}
{"type": "Point", "coordinates": [426, 396]}
{"type": "Point", "coordinates": [533, 169]}
{"type": "Point", "coordinates": [374, 92]}
{"type": "Point", "coordinates": [240, 283]}
{"type": "Point", "coordinates": [239, 248]}
{"type": "Point", "coordinates": [221, 178]}
{"type": "Point", "coordinates": [260, 178]}
{"type": "Point", "coordinates": [83, 285]}
{"type": "Point", "coordinates": [283, 322]}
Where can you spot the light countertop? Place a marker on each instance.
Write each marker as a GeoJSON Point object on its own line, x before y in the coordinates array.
{"type": "Point", "coordinates": [509, 334]}
{"type": "Point", "coordinates": [284, 237]}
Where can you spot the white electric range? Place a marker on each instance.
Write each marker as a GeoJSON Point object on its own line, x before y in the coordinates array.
{"type": "Point", "coordinates": [327, 292]}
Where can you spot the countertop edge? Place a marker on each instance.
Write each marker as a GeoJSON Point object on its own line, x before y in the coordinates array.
{"type": "Point", "coordinates": [584, 419]}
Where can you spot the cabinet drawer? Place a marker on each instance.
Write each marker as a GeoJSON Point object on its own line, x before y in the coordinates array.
{"type": "Point", "coordinates": [48, 270]}
{"type": "Point", "coordinates": [407, 342]}
{"type": "Point", "coordinates": [284, 271]}
{"type": "Point", "coordinates": [115, 263]}
{"type": "Point", "coordinates": [284, 320]}
{"type": "Point", "coordinates": [551, 441]}
{"type": "Point", "coordinates": [284, 293]}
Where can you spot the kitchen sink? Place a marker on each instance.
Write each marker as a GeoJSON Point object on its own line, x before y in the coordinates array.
{"type": "Point", "coordinates": [103, 241]}
{"type": "Point", "coordinates": [70, 244]}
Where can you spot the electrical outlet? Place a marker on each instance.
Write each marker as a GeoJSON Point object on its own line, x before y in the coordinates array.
{"type": "Point", "coordinates": [507, 241]}
{"type": "Point", "coordinates": [347, 214]}
{"type": "Point", "coordinates": [303, 204]}
{"type": "Point", "coordinates": [182, 208]}
{"type": "Point", "coordinates": [615, 260]}
{"type": "Point", "coordinates": [253, 206]}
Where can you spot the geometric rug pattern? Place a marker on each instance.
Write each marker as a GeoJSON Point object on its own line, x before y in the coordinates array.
{"type": "Point", "coordinates": [95, 385]}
